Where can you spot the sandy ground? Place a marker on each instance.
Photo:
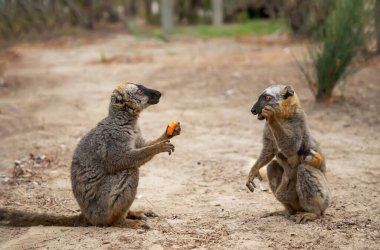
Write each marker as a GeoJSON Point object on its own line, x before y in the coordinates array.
{"type": "Point", "coordinates": [55, 92]}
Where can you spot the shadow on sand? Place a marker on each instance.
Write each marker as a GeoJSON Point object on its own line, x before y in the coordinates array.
{"type": "Point", "coordinates": [16, 218]}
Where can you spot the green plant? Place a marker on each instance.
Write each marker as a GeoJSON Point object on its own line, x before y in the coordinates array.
{"type": "Point", "coordinates": [102, 57]}
{"type": "Point", "coordinates": [341, 37]}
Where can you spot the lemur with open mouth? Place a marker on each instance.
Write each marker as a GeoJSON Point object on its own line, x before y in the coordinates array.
{"type": "Point", "coordinates": [297, 174]}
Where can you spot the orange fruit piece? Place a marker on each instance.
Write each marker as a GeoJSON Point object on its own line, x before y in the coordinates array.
{"type": "Point", "coordinates": [171, 127]}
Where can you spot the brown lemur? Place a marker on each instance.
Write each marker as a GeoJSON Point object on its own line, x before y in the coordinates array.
{"type": "Point", "coordinates": [297, 174]}
{"type": "Point", "coordinates": [105, 164]}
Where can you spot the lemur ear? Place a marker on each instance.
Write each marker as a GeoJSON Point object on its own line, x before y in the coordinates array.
{"type": "Point", "coordinates": [116, 98]}
{"type": "Point", "coordinates": [288, 91]}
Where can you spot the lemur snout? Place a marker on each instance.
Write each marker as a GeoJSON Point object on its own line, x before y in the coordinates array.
{"type": "Point", "coordinates": [154, 96]}
{"type": "Point", "coordinates": [256, 110]}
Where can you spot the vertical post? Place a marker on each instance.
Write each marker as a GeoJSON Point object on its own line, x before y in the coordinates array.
{"type": "Point", "coordinates": [377, 24]}
{"type": "Point", "coordinates": [217, 12]}
{"type": "Point", "coordinates": [166, 9]}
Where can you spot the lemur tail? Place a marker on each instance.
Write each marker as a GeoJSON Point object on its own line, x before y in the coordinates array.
{"type": "Point", "coordinates": [11, 217]}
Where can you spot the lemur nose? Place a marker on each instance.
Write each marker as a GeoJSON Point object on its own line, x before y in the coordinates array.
{"type": "Point", "coordinates": [156, 94]}
{"type": "Point", "coordinates": [253, 110]}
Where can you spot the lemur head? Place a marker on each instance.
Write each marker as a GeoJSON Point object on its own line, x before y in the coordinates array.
{"type": "Point", "coordinates": [133, 97]}
{"type": "Point", "coordinates": [282, 98]}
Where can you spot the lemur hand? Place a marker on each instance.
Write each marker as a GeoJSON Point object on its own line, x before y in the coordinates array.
{"type": "Point", "coordinates": [269, 113]}
{"type": "Point", "coordinates": [173, 129]}
{"type": "Point", "coordinates": [165, 146]}
{"type": "Point", "coordinates": [251, 177]}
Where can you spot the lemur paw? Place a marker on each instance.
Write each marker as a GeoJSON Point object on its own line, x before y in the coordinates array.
{"type": "Point", "coordinates": [166, 146]}
{"type": "Point", "coordinates": [136, 215]}
{"type": "Point", "coordinates": [303, 217]}
{"type": "Point", "coordinates": [251, 177]}
{"type": "Point", "coordinates": [141, 215]}
{"type": "Point", "coordinates": [173, 129]}
{"type": "Point", "coordinates": [150, 214]}
{"type": "Point", "coordinates": [269, 113]}
{"type": "Point", "coordinates": [177, 130]}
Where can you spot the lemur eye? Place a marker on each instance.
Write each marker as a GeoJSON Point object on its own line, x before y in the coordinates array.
{"type": "Point", "coordinates": [268, 98]}
{"type": "Point", "coordinates": [139, 92]}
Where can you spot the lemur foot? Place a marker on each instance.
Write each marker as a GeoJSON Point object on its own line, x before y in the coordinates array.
{"type": "Point", "coordinates": [276, 213]}
{"type": "Point", "coordinates": [141, 215]}
{"type": "Point", "coordinates": [303, 217]}
{"type": "Point", "coordinates": [131, 223]}
{"type": "Point", "coordinates": [150, 214]}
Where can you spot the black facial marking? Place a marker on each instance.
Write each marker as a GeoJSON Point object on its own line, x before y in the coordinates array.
{"type": "Point", "coordinates": [259, 105]}
{"type": "Point", "coordinates": [152, 94]}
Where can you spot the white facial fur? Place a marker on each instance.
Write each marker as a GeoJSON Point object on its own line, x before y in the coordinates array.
{"type": "Point", "coordinates": [131, 89]}
{"type": "Point", "coordinates": [274, 90]}
{"type": "Point", "coordinates": [135, 100]}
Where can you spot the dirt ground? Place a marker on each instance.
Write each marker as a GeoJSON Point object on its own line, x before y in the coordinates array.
{"type": "Point", "coordinates": [54, 92]}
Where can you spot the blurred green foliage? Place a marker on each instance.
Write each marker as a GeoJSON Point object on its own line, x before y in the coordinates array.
{"type": "Point", "coordinates": [33, 18]}
{"type": "Point", "coordinates": [256, 27]}
{"type": "Point", "coordinates": [40, 18]}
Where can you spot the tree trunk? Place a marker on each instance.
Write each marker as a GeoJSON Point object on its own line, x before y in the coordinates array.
{"type": "Point", "coordinates": [130, 9]}
{"type": "Point", "coordinates": [217, 12]}
{"type": "Point", "coordinates": [87, 12]}
{"type": "Point", "coordinates": [166, 10]}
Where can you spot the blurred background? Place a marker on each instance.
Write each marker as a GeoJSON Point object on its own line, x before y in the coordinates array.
{"type": "Point", "coordinates": [338, 31]}
{"type": "Point", "coordinates": [60, 61]}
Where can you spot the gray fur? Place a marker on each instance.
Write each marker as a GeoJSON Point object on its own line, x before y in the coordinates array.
{"type": "Point", "coordinates": [105, 164]}
{"type": "Point", "coordinates": [298, 186]}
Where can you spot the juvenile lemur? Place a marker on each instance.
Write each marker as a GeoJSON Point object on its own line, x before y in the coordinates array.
{"type": "Point", "coordinates": [297, 174]}
{"type": "Point", "coordinates": [105, 164]}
